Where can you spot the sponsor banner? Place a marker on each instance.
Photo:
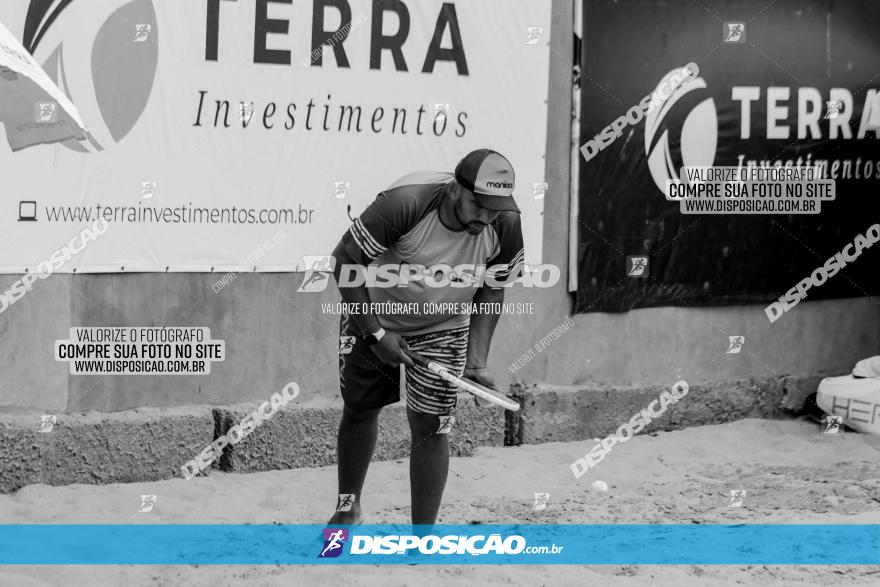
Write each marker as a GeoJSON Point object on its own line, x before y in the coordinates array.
{"type": "Point", "coordinates": [616, 544]}
{"type": "Point", "coordinates": [215, 125]}
{"type": "Point", "coordinates": [659, 119]}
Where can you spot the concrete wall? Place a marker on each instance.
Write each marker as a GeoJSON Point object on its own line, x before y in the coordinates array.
{"type": "Point", "coordinates": [274, 335]}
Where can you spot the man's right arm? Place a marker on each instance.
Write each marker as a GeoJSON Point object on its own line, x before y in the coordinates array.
{"type": "Point", "coordinates": [390, 348]}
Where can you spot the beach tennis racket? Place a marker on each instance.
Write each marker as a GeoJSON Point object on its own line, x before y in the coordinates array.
{"type": "Point", "coordinates": [469, 385]}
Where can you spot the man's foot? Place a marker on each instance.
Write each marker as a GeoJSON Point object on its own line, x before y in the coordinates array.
{"type": "Point", "coordinates": [351, 517]}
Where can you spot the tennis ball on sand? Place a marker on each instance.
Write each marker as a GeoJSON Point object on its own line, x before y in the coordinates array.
{"type": "Point", "coordinates": [600, 486]}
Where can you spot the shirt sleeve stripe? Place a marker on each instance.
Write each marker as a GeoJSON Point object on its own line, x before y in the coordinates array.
{"type": "Point", "coordinates": [364, 241]}
{"type": "Point", "coordinates": [357, 239]}
{"type": "Point", "coordinates": [369, 237]}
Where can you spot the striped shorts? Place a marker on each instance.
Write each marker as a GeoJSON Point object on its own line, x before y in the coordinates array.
{"type": "Point", "coordinates": [367, 384]}
{"type": "Point", "coordinates": [425, 392]}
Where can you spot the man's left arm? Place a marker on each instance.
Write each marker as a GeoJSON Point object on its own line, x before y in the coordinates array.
{"type": "Point", "coordinates": [503, 268]}
{"type": "Point", "coordinates": [480, 337]}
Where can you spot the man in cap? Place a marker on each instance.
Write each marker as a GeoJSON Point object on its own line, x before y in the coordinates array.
{"type": "Point", "coordinates": [444, 238]}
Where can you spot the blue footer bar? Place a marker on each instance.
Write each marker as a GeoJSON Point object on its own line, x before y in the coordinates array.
{"type": "Point", "coordinates": [149, 544]}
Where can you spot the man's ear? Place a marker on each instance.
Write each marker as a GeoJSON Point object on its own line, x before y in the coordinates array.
{"type": "Point", "coordinates": [455, 192]}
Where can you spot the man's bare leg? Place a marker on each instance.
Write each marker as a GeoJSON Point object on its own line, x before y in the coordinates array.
{"type": "Point", "coordinates": [358, 431]}
{"type": "Point", "coordinates": [428, 466]}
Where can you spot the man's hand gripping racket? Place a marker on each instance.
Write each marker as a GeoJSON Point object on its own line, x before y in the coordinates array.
{"type": "Point", "coordinates": [481, 391]}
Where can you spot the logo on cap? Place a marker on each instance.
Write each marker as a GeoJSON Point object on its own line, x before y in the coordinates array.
{"type": "Point", "coordinates": [490, 176]}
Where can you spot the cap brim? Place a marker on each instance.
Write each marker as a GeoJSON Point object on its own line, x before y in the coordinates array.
{"type": "Point", "coordinates": [498, 203]}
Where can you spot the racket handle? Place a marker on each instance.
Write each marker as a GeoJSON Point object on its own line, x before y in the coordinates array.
{"type": "Point", "coordinates": [432, 366]}
{"type": "Point", "coordinates": [417, 358]}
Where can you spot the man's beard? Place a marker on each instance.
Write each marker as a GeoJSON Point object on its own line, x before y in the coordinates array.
{"type": "Point", "coordinates": [473, 227]}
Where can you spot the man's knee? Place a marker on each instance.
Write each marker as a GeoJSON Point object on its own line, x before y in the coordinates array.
{"type": "Point", "coordinates": [423, 423]}
{"type": "Point", "coordinates": [355, 415]}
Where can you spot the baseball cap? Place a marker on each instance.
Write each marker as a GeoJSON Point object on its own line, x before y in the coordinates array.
{"type": "Point", "coordinates": [489, 175]}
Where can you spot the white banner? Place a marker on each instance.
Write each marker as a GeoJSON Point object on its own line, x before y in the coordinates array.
{"type": "Point", "coordinates": [223, 128]}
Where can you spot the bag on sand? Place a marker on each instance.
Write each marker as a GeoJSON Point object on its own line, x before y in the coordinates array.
{"type": "Point", "coordinates": [855, 397]}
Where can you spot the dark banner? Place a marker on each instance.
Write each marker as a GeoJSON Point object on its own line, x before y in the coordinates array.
{"type": "Point", "coordinates": [793, 83]}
